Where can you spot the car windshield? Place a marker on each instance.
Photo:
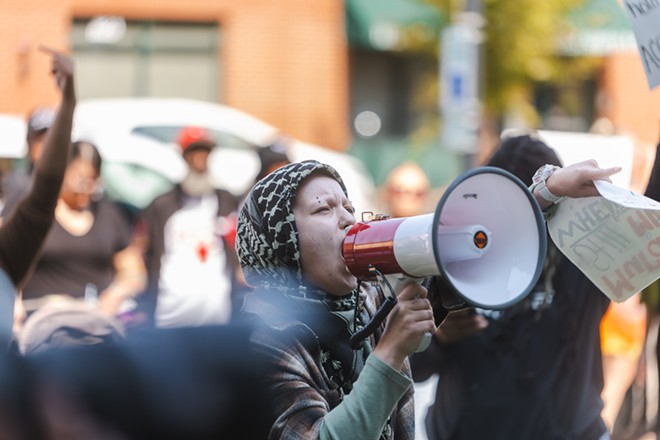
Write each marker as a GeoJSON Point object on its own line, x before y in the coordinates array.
{"type": "Point", "coordinates": [169, 133]}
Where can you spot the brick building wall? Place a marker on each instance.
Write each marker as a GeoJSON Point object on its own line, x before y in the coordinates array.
{"type": "Point", "coordinates": [633, 109]}
{"type": "Point", "coordinates": [285, 61]}
{"type": "Point", "coordinates": [24, 24]}
{"type": "Point", "coordinates": [632, 106]}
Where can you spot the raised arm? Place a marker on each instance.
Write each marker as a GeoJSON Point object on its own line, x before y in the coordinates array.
{"type": "Point", "coordinates": [55, 155]}
{"type": "Point", "coordinates": [24, 232]}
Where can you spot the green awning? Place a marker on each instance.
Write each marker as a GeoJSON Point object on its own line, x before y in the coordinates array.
{"type": "Point", "coordinates": [391, 24]}
{"type": "Point", "coordinates": [599, 27]}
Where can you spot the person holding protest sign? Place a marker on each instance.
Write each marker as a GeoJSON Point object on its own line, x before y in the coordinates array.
{"type": "Point", "coordinates": [533, 370]}
{"type": "Point", "coordinates": [651, 294]}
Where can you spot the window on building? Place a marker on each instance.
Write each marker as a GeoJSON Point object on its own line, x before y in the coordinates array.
{"type": "Point", "coordinates": [566, 107]}
{"type": "Point", "coordinates": [394, 113]}
{"type": "Point", "coordinates": [147, 58]}
{"type": "Point", "coordinates": [384, 91]}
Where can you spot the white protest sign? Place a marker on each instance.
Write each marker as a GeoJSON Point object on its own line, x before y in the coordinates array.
{"type": "Point", "coordinates": [645, 19]}
{"type": "Point", "coordinates": [613, 239]}
{"type": "Point", "coordinates": [608, 150]}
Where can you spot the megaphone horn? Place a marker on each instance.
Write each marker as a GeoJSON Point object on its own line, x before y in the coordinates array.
{"type": "Point", "coordinates": [486, 240]}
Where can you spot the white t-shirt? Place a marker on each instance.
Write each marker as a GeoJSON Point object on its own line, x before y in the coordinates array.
{"type": "Point", "coordinates": [195, 284]}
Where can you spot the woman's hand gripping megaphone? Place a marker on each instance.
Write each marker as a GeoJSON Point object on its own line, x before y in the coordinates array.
{"type": "Point", "coordinates": [410, 325]}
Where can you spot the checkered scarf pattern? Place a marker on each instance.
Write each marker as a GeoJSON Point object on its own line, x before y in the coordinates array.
{"type": "Point", "coordinates": [267, 237]}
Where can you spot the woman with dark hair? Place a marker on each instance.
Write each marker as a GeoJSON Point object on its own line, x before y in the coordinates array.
{"type": "Point", "coordinates": [533, 371]}
{"type": "Point", "coordinates": [521, 156]}
{"type": "Point", "coordinates": [87, 254]}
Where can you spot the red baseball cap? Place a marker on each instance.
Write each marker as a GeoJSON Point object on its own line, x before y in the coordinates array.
{"type": "Point", "coordinates": [192, 138]}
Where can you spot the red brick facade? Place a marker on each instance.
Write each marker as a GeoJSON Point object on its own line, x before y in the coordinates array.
{"type": "Point", "coordinates": [284, 61]}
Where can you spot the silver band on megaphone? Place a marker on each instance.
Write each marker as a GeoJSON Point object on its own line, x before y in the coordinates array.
{"type": "Point", "coordinates": [486, 240]}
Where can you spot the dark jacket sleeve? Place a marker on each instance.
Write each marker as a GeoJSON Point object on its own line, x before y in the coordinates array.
{"type": "Point", "coordinates": [653, 188]}
{"type": "Point", "coordinates": [22, 235]}
{"type": "Point", "coordinates": [24, 232]}
{"type": "Point", "coordinates": [427, 363]}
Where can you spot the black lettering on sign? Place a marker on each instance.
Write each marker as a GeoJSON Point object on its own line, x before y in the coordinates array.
{"type": "Point", "coordinates": [651, 54]}
{"type": "Point", "coordinates": [640, 8]}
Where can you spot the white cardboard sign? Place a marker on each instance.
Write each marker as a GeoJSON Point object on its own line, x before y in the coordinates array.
{"type": "Point", "coordinates": [613, 239]}
{"type": "Point", "coordinates": [645, 19]}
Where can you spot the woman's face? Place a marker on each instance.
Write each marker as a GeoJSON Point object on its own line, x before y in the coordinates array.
{"type": "Point", "coordinates": [78, 185]}
{"type": "Point", "coordinates": [323, 215]}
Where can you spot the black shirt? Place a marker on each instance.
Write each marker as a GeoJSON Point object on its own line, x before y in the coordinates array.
{"type": "Point", "coordinates": [69, 263]}
{"type": "Point", "coordinates": [531, 374]}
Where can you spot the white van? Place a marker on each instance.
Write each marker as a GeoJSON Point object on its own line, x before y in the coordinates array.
{"type": "Point", "coordinates": [136, 137]}
{"type": "Point", "coordinates": [12, 140]}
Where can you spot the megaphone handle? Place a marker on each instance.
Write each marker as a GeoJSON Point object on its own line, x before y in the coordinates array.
{"type": "Point", "coordinates": [383, 311]}
{"type": "Point", "coordinates": [428, 336]}
{"type": "Point", "coordinates": [424, 342]}
{"type": "Point", "coordinates": [380, 315]}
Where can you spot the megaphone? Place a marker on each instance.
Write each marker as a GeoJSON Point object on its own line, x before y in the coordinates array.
{"type": "Point", "coordinates": [486, 240]}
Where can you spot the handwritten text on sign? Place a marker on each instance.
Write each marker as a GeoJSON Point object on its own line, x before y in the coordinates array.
{"type": "Point", "coordinates": [617, 247]}
{"type": "Point", "coordinates": [645, 19]}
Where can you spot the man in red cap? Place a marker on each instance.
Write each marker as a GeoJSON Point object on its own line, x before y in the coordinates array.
{"type": "Point", "coordinates": [196, 146]}
{"type": "Point", "coordinates": [190, 254]}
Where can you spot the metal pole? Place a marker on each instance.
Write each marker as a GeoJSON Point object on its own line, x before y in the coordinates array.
{"type": "Point", "coordinates": [475, 17]}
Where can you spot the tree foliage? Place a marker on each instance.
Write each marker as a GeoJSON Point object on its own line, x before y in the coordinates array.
{"type": "Point", "coordinates": [520, 48]}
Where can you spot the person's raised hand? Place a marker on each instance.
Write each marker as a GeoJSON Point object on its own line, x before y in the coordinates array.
{"type": "Point", "coordinates": [410, 319]}
{"type": "Point", "coordinates": [61, 68]}
{"type": "Point", "coordinates": [577, 180]}
{"type": "Point", "coordinates": [459, 325]}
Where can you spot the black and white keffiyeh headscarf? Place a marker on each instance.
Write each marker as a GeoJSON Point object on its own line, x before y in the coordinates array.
{"type": "Point", "coordinates": [269, 253]}
{"type": "Point", "coordinates": [267, 237]}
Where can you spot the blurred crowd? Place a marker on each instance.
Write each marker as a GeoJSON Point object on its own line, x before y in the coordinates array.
{"type": "Point", "coordinates": [127, 323]}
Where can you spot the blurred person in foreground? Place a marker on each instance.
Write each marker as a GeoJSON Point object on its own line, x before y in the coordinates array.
{"type": "Point", "coordinates": [533, 371]}
{"type": "Point", "coordinates": [189, 383]}
{"type": "Point", "coordinates": [24, 231]}
{"type": "Point", "coordinates": [306, 306]}
{"type": "Point", "coordinates": [190, 256]}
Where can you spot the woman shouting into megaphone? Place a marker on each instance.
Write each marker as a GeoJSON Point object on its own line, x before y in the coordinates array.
{"type": "Point", "coordinates": [307, 305]}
